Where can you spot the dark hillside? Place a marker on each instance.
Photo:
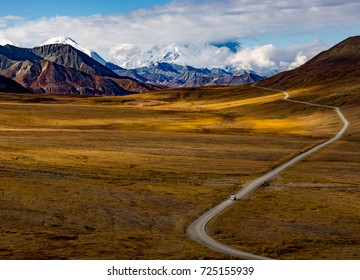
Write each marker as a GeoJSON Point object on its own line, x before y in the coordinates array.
{"type": "Point", "coordinates": [8, 85]}
{"type": "Point", "coordinates": [338, 65]}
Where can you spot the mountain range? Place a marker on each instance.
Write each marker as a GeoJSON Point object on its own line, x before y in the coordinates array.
{"type": "Point", "coordinates": [60, 65]}
{"type": "Point", "coordinates": [132, 56]}
{"type": "Point", "coordinates": [160, 66]}
{"type": "Point", "coordinates": [200, 55]}
{"type": "Point", "coordinates": [61, 68]}
{"type": "Point", "coordinates": [174, 75]}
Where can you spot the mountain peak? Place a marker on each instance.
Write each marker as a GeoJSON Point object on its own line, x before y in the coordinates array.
{"type": "Point", "coordinates": [60, 40]}
{"type": "Point", "coordinates": [61, 69]}
{"type": "Point", "coordinates": [133, 56]}
{"type": "Point", "coordinates": [5, 42]}
{"type": "Point", "coordinates": [64, 40]}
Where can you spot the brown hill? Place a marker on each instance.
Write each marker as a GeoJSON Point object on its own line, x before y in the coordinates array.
{"type": "Point", "coordinates": [340, 64]}
{"type": "Point", "coordinates": [48, 77]}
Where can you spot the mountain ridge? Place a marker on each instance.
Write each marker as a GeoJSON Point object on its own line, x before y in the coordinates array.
{"type": "Point", "coordinates": [341, 62]}
{"type": "Point", "coordinates": [159, 66]}
{"type": "Point", "coordinates": [173, 75]}
{"type": "Point", "coordinates": [61, 68]}
{"type": "Point", "coordinates": [69, 41]}
{"type": "Point", "coordinates": [68, 56]}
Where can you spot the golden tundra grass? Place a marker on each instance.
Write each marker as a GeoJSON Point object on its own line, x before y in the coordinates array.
{"type": "Point", "coordinates": [312, 210]}
{"type": "Point", "coordinates": [121, 177]}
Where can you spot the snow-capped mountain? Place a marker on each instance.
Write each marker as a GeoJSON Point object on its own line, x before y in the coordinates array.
{"type": "Point", "coordinates": [173, 65]}
{"type": "Point", "coordinates": [174, 75]}
{"type": "Point", "coordinates": [68, 41]}
{"type": "Point", "coordinates": [200, 55]}
{"type": "Point", "coordinates": [63, 69]}
{"type": "Point", "coordinates": [222, 56]}
{"type": "Point", "coordinates": [197, 55]}
{"type": "Point", "coordinates": [6, 42]}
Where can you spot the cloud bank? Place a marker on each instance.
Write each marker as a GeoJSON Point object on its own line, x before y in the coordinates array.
{"type": "Point", "coordinates": [263, 59]}
{"type": "Point", "coordinates": [196, 22]}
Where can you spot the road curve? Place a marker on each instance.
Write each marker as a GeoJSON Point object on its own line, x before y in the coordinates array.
{"type": "Point", "coordinates": [197, 229]}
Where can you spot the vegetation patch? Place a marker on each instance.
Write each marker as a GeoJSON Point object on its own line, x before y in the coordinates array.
{"type": "Point", "coordinates": [106, 178]}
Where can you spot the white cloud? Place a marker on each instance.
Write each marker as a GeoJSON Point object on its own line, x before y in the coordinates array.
{"type": "Point", "coordinates": [299, 60]}
{"type": "Point", "coordinates": [261, 58]}
{"type": "Point", "coordinates": [189, 22]}
{"type": "Point", "coordinates": [258, 58]}
{"type": "Point", "coordinates": [194, 22]}
{"type": "Point", "coordinates": [4, 42]}
{"type": "Point", "coordinates": [8, 20]}
{"type": "Point", "coordinates": [197, 55]}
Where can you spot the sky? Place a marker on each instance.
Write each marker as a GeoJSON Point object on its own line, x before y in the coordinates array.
{"type": "Point", "coordinates": [266, 29]}
{"type": "Point", "coordinates": [47, 8]}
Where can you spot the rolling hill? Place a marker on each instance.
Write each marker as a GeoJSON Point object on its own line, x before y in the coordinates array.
{"type": "Point", "coordinates": [309, 211]}
{"type": "Point", "coordinates": [122, 177]}
{"type": "Point", "coordinates": [338, 66]}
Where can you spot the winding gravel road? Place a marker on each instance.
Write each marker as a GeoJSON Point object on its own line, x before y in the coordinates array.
{"type": "Point", "coordinates": [197, 230]}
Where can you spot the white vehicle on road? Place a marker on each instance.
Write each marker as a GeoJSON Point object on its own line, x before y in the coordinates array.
{"type": "Point", "coordinates": [197, 230]}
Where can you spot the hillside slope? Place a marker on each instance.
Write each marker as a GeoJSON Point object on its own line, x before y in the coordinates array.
{"type": "Point", "coordinates": [337, 66]}
{"type": "Point", "coordinates": [309, 211]}
{"type": "Point", "coordinates": [8, 85]}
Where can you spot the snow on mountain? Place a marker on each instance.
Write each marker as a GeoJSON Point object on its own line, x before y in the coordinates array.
{"type": "Point", "coordinates": [197, 55]}
{"type": "Point", "coordinates": [222, 56]}
{"type": "Point", "coordinates": [174, 75]}
{"type": "Point", "coordinates": [68, 41]}
{"type": "Point", "coordinates": [200, 56]}
{"type": "Point", "coordinates": [6, 42]}
{"type": "Point", "coordinates": [264, 60]}
{"type": "Point", "coordinates": [227, 56]}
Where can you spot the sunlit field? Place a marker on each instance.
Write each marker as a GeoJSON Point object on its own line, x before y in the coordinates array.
{"type": "Point", "coordinates": [122, 177]}
{"type": "Point", "coordinates": [310, 211]}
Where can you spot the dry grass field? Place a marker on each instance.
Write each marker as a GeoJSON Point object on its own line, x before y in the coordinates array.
{"type": "Point", "coordinates": [121, 177]}
{"type": "Point", "coordinates": [312, 210]}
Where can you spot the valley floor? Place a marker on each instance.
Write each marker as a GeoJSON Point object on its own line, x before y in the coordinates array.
{"type": "Point", "coordinates": [311, 210]}
{"type": "Point", "coordinates": [121, 177]}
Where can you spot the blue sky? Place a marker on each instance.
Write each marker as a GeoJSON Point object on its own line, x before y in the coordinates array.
{"type": "Point", "coordinates": [277, 32]}
{"type": "Point", "coordinates": [47, 8]}
{"type": "Point", "coordinates": [280, 22]}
